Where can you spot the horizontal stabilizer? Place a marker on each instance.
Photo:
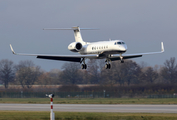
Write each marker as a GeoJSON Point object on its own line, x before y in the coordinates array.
{"type": "Point", "coordinates": [73, 28]}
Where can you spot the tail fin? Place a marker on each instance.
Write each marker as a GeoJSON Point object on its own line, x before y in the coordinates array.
{"type": "Point", "coordinates": [77, 34]}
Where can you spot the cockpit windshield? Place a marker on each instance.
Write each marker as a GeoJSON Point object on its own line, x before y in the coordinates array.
{"type": "Point", "coordinates": [118, 43]}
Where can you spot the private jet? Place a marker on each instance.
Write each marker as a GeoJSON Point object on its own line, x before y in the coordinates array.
{"type": "Point", "coordinates": [111, 50]}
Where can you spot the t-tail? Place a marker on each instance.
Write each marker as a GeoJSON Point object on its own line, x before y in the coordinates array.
{"type": "Point", "coordinates": [77, 35]}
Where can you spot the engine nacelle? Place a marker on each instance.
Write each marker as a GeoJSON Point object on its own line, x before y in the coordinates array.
{"type": "Point", "coordinates": [75, 47]}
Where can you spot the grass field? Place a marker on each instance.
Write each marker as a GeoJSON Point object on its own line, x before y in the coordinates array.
{"type": "Point", "coordinates": [21, 115]}
{"type": "Point", "coordinates": [90, 101]}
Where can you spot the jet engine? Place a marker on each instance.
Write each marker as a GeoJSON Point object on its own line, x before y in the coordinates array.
{"type": "Point", "coordinates": [75, 47]}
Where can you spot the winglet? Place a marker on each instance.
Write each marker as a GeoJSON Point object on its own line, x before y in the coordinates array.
{"type": "Point", "coordinates": [162, 47]}
{"type": "Point", "coordinates": [12, 49]}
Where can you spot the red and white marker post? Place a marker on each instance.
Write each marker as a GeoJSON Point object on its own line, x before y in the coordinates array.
{"type": "Point", "coordinates": [52, 114]}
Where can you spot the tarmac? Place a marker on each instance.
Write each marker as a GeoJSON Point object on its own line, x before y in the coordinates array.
{"type": "Point", "coordinates": [123, 108]}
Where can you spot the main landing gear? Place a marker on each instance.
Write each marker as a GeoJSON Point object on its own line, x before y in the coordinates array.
{"type": "Point", "coordinates": [83, 66]}
{"type": "Point", "coordinates": [108, 65]}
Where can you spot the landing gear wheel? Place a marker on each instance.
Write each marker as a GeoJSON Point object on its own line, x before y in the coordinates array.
{"type": "Point", "coordinates": [107, 66]}
{"type": "Point", "coordinates": [84, 66]}
{"type": "Point", "coordinates": [122, 61]}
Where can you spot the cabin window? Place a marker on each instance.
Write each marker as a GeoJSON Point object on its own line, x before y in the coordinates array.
{"type": "Point", "coordinates": [123, 43]}
{"type": "Point", "coordinates": [93, 48]}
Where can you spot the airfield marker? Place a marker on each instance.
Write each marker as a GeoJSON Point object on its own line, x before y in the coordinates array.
{"type": "Point", "coordinates": [52, 114]}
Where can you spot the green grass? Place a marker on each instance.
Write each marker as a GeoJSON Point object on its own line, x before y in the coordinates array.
{"type": "Point", "coordinates": [118, 116]}
{"type": "Point", "coordinates": [25, 115]}
{"type": "Point", "coordinates": [90, 101]}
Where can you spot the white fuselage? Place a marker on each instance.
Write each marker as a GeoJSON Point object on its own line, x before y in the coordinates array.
{"type": "Point", "coordinates": [101, 47]}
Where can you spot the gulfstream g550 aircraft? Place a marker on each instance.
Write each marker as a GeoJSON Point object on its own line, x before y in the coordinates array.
{"type": "Point", "coordinates": [109, 50]}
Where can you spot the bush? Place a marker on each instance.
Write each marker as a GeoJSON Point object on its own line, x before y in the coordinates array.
{"type": "Point", "coordinates": [69, 88]}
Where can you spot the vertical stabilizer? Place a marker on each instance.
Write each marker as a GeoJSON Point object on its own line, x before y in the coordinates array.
{"type": "Point", "coordinates": [77, 34]}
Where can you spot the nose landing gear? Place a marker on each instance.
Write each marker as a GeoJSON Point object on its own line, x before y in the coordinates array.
{"type": "Point", "coordinates": [121, 59]}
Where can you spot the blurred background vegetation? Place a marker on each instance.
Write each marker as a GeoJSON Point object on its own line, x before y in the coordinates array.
{"type": "Point", "coordinates": [129, 79]}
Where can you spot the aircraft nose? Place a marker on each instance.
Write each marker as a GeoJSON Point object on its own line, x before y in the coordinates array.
{"type": "Point", "coordinates": [124, 48]}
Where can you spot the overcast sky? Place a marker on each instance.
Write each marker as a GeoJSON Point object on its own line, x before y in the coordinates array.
{"type": "Point", "coordinates": [142, 24]}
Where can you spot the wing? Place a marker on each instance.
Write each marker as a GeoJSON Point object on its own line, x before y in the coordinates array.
{"type": "Point", "coordinates": [78, 58]}
{"type": "Point", "coordinates": [128, 56]}
{"type": "Point", "coordinates": [73, 58]}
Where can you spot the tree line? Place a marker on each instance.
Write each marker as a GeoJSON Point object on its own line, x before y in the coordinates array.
{"type": "Point", "coordinates": [27, 74]}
